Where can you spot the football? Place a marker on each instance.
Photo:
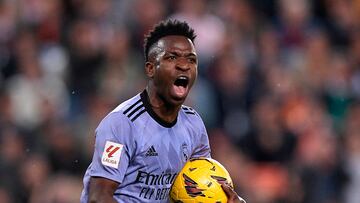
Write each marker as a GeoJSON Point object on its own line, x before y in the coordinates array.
{"type": "Point", "coordinates": [200, 181]}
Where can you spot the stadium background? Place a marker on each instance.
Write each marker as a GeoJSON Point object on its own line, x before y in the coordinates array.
{"type": "Point", "coordinates": [278, 88]}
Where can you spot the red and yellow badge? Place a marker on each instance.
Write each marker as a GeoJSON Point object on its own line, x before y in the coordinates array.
{"type": "Point", "coordinates": [111, 154]}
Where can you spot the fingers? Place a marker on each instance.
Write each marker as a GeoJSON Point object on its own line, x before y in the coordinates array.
{"type": "Point", "coordinates": [231, 194]}
{"type": "Point", "coordinates": [228, 190]}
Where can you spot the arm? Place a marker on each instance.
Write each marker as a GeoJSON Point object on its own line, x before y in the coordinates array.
{"type": "Point", "coordinates": [231, 194]}
{"type": "Point", "coordinates": [109, 145]}
{"type": "Point", "coordinates": [102, 190]}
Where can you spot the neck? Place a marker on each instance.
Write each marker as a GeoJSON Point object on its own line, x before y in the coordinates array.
{"type": "Point", "coordinates": [165, 110]}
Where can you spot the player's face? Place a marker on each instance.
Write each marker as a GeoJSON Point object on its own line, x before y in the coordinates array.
{"type": "Point", "coordinates": [175, 69]}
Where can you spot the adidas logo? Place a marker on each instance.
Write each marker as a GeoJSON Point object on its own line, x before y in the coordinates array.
{"type": "Point", "coordinates": [151, 151]}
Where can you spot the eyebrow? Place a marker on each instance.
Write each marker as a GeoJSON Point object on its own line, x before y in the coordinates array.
{"type": "Point", "coordinates": [177, 53]}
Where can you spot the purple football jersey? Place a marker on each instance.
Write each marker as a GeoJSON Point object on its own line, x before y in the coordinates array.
{"type": "Point", "coordinates": [137, 149]}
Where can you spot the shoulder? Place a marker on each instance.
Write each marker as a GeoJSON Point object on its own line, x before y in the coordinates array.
{"type": "Point", "coordinates": [190, 113]}
{"type": "Point", "coordinates": [192, 116]}
{"type": "Point", "coordinates": [117, 126]}
{"type": "Point", "coordinates": [189, 110]}
{"type": "Point", "coordinates": [199, 137]}
{"type": "Point", "coordinates": [129, 105]}
{"type": "Point", "coordinates": [120, 117]}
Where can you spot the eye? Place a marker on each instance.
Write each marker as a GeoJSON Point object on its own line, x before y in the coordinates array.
{"type": "Point", "coordinates": [192, 60]}
{"type": "Point", "coordinates": [171, 57]}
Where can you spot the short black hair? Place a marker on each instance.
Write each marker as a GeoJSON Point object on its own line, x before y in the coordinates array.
{"type": "Point", "coordinates": [166, 28]}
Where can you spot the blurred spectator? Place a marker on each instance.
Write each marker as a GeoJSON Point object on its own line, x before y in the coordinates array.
{"type": "Point", "coordinates": [63, 149]}
{"type": "Point", "coordinates": [5, 196]}
{"type": "Point", "coordinates": [337, 89]}
{"type": "Point", "coordinates": [294, 21]}
{"type": "Point", "coordinates": [340, 21]}
{"type": "Point", "coordinates": [231, 80]}
{"type": "Point", "coordinates": [197, 14]}
{"type": "Point", "coordinates": [33, 173]}
{"type": "Point", "coordinates": [7, 30]}
{"type": "Point", "coordinates": [352, 154]}
{"type": "Point", "coordinates": [317, 60]}
{"type": "Point", "coordinates": [143, 16]}
{"type": "Point", "coordinates": [12, 154]}
{"type": "Point", "coordinates": [85, 60]}
{"type": "Point", "coordinates": [7, 22]}
{"type": "Point", "coordinates": [268, 141]}
{"type": "Point", "coordinates": [354, 55]}
{"type": "Point", "coordinates": [33, 92]}
{"type": "Point", "coordinates": [240, 29]}
{"type": "Point", "coordinates": [6, 118]}
{"type": "Point", "coordinates": [122, 72]}
{"type": "Point", "coordinates": [61, 188]}
{"type": "Point", "coordinates": [321, 169]}
{"type": "Point", "coordinates": [270, 183]}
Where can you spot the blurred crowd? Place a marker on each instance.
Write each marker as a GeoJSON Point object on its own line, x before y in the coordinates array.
{"type": "Point", "coordinates": [278, 89]}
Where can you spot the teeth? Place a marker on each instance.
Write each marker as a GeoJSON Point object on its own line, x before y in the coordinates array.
{"type": "Point", "coordinates": [181, 81]}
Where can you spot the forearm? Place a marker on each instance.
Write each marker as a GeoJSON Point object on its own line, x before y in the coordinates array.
{"type": "Point", "coordinates": [101, 196]}
{"type": "Point", "coordinates": [102, 190]}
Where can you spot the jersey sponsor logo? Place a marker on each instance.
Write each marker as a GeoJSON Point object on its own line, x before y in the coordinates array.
{"type": "Point", "coordinates": [155, 186]}
{"type": "Point", "coordinates": [155, 178]}
{"type": "Point", "coordinates": [111, 154]}
{"type": "Point", "coordinates": [151, 151]}
{"type": "Point", "coordinates": [156, 194]}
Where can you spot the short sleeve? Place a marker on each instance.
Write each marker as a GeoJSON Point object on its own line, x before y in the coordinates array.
{"type": "Point", "coordinates": [202, 148]}
{"type": "Point", "coordinates": [114, 147]}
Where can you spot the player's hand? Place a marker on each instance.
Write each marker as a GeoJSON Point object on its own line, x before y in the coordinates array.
{"type": "Point", "coordinates": [231, 194]}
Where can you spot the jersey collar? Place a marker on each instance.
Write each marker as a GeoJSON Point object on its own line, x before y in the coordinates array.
{"type": "Point", "coordinates": [145, 99]}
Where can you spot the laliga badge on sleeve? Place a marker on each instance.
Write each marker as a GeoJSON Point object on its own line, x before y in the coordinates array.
{"type": "Point", "coordinates": [111, 154]}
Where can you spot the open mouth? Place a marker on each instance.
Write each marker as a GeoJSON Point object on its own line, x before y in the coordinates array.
{"type": "Point", "coordinates": [182, 81]}
{"type": "Point", "coordinates": [180, 87]}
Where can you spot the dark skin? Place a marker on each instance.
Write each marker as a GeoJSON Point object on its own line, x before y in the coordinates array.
{"type": "Point", "coordinates": [170, 58]}
{"type": "Point", "coordinates": [102, 190]}
{"type": "Point", "coordinates": [231, 194]}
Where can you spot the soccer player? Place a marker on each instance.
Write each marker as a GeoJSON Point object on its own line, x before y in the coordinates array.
{"type": "Point", "coordinates": [144, 142]}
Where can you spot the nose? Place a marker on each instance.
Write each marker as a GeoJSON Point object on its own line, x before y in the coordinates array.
{"type": "Point", "coordinates": [182, 64]}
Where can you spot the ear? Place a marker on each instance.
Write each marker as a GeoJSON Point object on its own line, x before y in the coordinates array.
{"type": "Point", "coordinates": [150, 69]}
